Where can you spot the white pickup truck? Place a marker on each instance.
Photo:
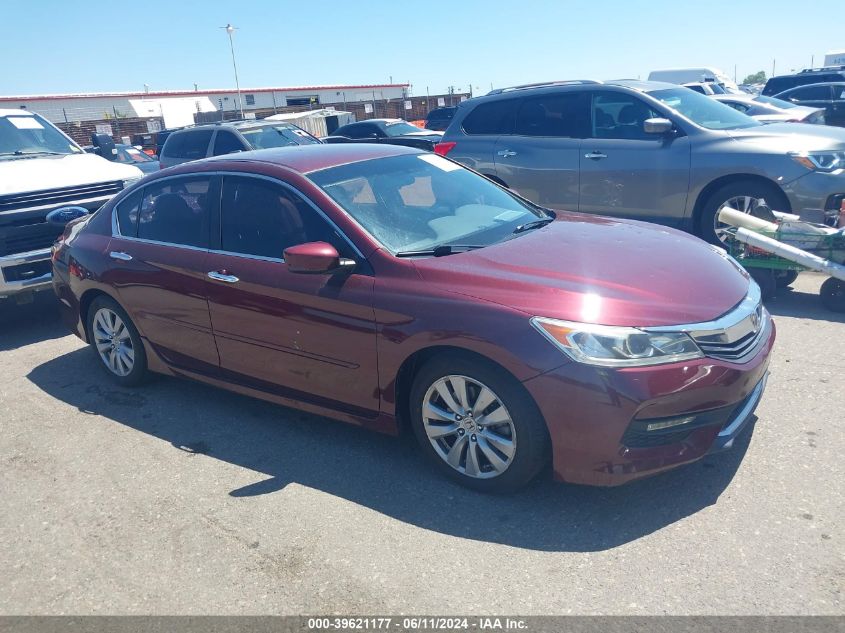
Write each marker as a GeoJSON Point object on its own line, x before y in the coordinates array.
{"type": "Point", "coordinates": [41, 169]}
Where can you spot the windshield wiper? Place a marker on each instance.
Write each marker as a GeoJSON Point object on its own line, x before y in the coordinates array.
{"type": "Point", "coordinates": [440, 251]}
{"type": "Point", "coordinates": [35, 153]}
{"type": "Point", "coordinates": [536, 224]}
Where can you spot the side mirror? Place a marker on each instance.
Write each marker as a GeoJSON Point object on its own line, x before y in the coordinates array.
{"type": "Point", "coordinates": [63, 215]}
{"type": "Point", "coordinates": [104, 145]}
{"type": "Point", "coordinates": [315, 258]}
{"type": "Point", "coordinates": [657, 126]}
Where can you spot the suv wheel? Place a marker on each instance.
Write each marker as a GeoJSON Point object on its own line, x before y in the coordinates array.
{"type": "Point", "coordinates": [743, 196]}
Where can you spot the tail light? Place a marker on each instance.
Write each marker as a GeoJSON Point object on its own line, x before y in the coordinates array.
{"type": "Point", "coordinates": [444, 148]}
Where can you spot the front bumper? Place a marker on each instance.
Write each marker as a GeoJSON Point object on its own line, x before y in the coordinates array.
{"type": "Point", "coordinates": [817, 190]}
{"type": "Point", "coordinates": [25, 272]}
{"type": "Point", "coordinates": [590, 410]}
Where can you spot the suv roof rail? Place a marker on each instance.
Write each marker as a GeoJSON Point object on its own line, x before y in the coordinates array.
{"type": "Point", "coordinates": [543, 84]}
{"type": "Point", "coordinates": [823, 69]}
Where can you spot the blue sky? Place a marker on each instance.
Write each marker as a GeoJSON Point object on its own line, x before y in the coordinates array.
{"type": "Point", "coordinates": [54, 46]}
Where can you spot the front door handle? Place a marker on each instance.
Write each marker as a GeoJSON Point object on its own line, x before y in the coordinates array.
{"type": "Point", "coordinates": [124, 257]}
{"type": "Point", "coordinates": [222, 275]}
{"type": "Point", "coordinates": [506, 153]}
{"type": "Point", "coordinates": [595, 155]}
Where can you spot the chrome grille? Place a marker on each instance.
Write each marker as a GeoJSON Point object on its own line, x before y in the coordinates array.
{"type": "Point", "coordinates": [63, 195]}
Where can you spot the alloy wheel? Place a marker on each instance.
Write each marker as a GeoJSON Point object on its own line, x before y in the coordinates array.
{"type": "Point", "coordinates": [743, 204]}
{"type": "Point", "coordinates": [113, 342]}
{"type": "Point", "coordinates": [469, 427]}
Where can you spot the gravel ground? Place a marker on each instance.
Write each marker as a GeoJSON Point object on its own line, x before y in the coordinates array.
{"type": "Point", "coordinates": [181, 499]}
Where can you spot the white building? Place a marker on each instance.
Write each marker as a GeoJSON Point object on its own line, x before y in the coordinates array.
{"type": "Point", "coordinates": [177, 107]}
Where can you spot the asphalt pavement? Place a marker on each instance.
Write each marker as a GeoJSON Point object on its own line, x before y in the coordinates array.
{"type": "Point", "coordinates": [178, 498]}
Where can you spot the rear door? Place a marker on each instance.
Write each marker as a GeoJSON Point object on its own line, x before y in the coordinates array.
{"type": "Point", "coordinates": [307, 337]}
{"type": "Point", "coordinates": [626, 172]}
{"type": "Point", "coordinates": [159, 251]}
{"type": "Point", "coordinates": [541, 159]}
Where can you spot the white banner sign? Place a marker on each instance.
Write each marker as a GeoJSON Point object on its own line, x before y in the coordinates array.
{"type": "Point", "coordinates": [441, 101]}
{"type": "Point", "coordinates": [103, 128]}
{"type": "Point", "coordinates": [408, 105]}
{"type": "Point", "coordinates": [368, 108]}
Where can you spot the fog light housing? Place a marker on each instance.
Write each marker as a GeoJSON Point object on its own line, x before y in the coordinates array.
{"type": "Point", "coordinates": [669, 423]}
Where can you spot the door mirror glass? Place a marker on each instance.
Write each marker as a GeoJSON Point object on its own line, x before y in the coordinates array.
{"type": "Point", "coordinates": [312, 257]}
{"type": "Point", "coordinates": [63, 215]}
{"type": "Point", "coordinates": [657, 126]}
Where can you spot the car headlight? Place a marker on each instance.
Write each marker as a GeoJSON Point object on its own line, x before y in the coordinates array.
{"type": "Point", "coordinates": [128, 182]}
{"type": "Point", "coordinates": [820, 161]}
{"type": "Point", "coordinates": [608, 346]}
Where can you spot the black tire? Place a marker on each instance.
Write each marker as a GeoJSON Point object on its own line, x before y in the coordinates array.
{"type": "Point", "coordinates": [139, 372]}
{"type": "Point", "coordinates": [765, 278]}
{"type": "Point", "coordinates": [832, 294]}
{"type": "Point", "coordinates": [785, 278]}
{"type": "Point", "coordinates": [775, 199]}
{"type": "Point", "coordinates": [532, 437]}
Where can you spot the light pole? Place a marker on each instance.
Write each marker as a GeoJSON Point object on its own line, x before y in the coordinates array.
{"type": "Point", "coordinates": [229, 30]}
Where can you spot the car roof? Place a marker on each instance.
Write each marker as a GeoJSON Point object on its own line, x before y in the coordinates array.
{"type": "Point", "coordinates": [632, 84]}
{"type": "Point", "coordinates": [820, 83]}
{"type": "Point", "coordinates": [309, 158]}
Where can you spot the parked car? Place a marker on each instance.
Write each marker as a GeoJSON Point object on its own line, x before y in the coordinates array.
{"type": "Point", "coordinates": [381, 285]}
{"type": "Point", "coordinates": [705, 88]}
{"type": "Point", "coordinates": [830, 96]}
{"type": "Point", "coordinates": [216, 139]}
{"type": "Point", "coordinates": [646, 150]}
{"type": "Point", "coordinates": [776, 85]}
{"type": "Point", "coordinates": [682, 76]}
{"type": "Point", "coordinates": [130, 155]}
{"type": "Point", "coordinates": [772, 110]}
{"type": "Point", "coordinates": [42, 169]}
{"type": "Point", "coordinates": [438, 119]}
{"type": "Point", "coordinates": [390, 131]}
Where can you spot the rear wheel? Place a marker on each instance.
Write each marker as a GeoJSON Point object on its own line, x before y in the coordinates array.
{"type": "Point", "coordinates": [832, 294]}
{"type": "Point", "coordinates": [477, 423]}
{"type": "Point", "coordinates": [785, 278]}
{"type": "Point", "coordinates": [116, 342]}
{"type": "Point", "coordinates": [743, 196]}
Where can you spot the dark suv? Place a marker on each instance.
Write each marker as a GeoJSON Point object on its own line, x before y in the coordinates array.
{"type": "Point", "coordinates": [777, 85]}
{"type": "Point", "coordinates": [201, 141]}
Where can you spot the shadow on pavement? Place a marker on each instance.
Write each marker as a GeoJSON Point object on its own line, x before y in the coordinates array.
{"type": "Point", "coordinates": [800, 304]}
{"type": "Point", "coordinates": [22, 325]}
{"type": "Point", "coordinates": [383, 473]}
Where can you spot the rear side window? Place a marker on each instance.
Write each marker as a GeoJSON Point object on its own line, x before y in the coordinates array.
{"type": "Point", "coordinates": [226, 143]}
{"type": "Point", "coordinates": [262, 218]}
{"type": "Point", "coordinates": [188, 145]}
{"type": "Point", "coordinates": [493, 117]}
{"type": "Point", "coordinates": [558, 115]}
{"type": "Point", "coordinates": [177, 211]}
{"type": "Point", "coordinates": [127, 214]}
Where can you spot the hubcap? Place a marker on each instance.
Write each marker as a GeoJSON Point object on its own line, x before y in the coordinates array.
{"type": "Point", "coordinates": [113, 343]}
{"type": "Point", "coordinates": [743, 204]}
{"type": "Point", "coordinates": [469, 427]}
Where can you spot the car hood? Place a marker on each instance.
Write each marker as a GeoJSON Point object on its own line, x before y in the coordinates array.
{"type": "Point", "coordinates": [792, 137]}
{"type": "Point", "coordinates": [598, 270]}
{"type": "Point", "coordinates": [25, 174]}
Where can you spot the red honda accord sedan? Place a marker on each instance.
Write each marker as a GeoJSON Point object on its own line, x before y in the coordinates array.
{"type": "Point", "coordinates": [382, 286]}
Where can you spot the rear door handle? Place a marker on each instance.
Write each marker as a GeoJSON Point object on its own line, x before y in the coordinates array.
{"type": "Point", "coordinates": [506, 153]}
{"type": "Point", "coordinates": [125, 257]}
{"type": "Point", "coordinates": [222, 275]}
{"type": "Point", "coordinates": [595, 155]}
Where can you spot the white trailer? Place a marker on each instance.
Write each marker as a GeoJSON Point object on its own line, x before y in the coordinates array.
{"type": "Point", "coordinates": [835, 58]}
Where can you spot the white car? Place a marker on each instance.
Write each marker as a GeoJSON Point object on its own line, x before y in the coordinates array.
{"type": "Point", "coordinates": [772, 110]}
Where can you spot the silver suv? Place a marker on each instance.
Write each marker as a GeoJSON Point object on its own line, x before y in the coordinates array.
{"type": "Point", "coordinates": [646, 150]}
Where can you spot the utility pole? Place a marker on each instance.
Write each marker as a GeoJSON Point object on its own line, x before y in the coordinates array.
{"type": "Point", "coordinates": [229, 30]}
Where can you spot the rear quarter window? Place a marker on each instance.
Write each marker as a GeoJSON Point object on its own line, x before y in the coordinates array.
{"type": "Point", "coordinates": [493, 117]}
{"type": "Point", "coordinates": [188, 145]}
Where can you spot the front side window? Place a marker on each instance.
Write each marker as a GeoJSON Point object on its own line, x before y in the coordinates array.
{"type": "Point", "coordinates": [261, 218]}
{"type": "Point", "coordinates": [703, 111]}
{"type": "Point", "coordinates": [177, 211]}
{"type": "Point", "coordinates": [417, 202]}
{"type": "Point", "coordinates": [559, 115]}
{"type": "Point", "coordinates": [360, 131]}
{"type": "Point", "coordinates": [619, 115]}
{"type": "Point", "coordinates": [188, 145]}
{"type": "Point", "coordinates": [811, 93]}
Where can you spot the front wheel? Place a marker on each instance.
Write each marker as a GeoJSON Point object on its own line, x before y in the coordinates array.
{"type": "Point", "coordinates": [478, 424]}
{"type": "Point", "coordinates": [116, 342]}
{"type": "Point", "coordinates": [744, 196]}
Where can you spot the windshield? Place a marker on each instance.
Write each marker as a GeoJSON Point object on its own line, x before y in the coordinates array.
{"type": "Point", "coordinates": [703, 111]}
{"type": "Point", "coordinates": [399, 128]}
{"type": "Point", "coordinates": [31, 135]}
{"type": "Point", "coordinates": [778, 103]}
{"type": "Point", "coordinates": [268, 136]}
{"type": "Point", "coordinates": [417, 202]}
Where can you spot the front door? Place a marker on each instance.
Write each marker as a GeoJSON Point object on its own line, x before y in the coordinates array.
{"type": "Point", "coordinates": [159, 252]}
{"type": "Point", "coordinates": [307, 337]}
{"type": "Point", "coordinates": [540, 160]}
{"type": "Point", "coordinates": [626, 172]}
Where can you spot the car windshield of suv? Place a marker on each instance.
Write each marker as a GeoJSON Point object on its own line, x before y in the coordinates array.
{"type": "Point", "coordinates": [418, 202]}
{"type": "Point", "coordinates": [778, 103]}
{"type": "Point", "coordinates": [398, 128]}
{"type": "Point", "coordinates": [30, 135]}
{"type": "Point", "coordinates": [703, 111]}
{"type": "Point", "coordinates": [268, 136]}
